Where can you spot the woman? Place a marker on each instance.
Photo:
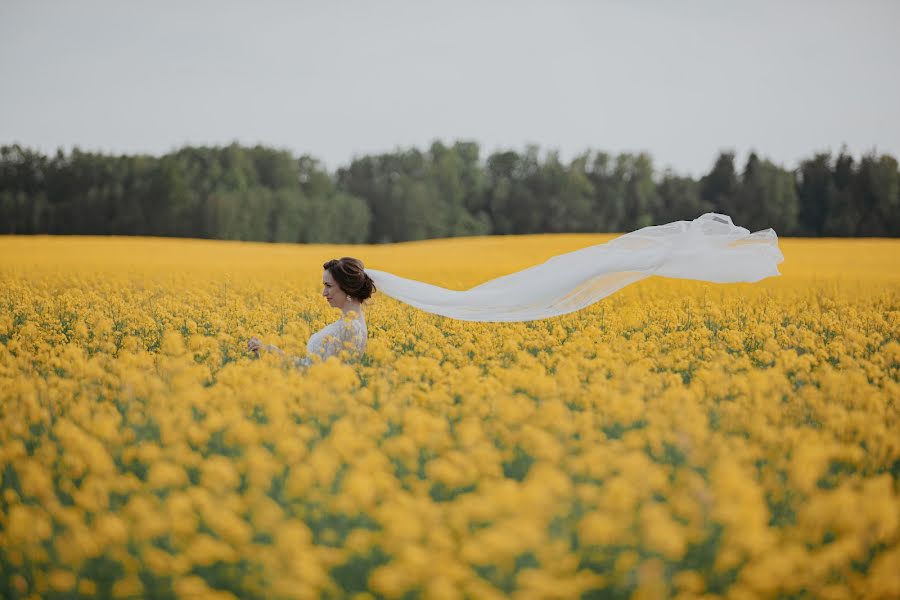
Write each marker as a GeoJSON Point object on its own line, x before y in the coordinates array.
{"type": "Point", "coordinates": [346, 286]}
{"type": "Point", "coordinates": [709, 248]}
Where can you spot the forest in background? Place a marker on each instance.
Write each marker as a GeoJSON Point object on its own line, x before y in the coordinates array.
{"type": "Point", "coordinates": [261, 193]}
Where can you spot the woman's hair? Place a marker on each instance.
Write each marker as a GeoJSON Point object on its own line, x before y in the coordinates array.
{"type": "Point", "coordinates": [349, 274]}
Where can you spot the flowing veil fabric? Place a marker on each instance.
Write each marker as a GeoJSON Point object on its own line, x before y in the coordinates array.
{"type": "Point", "coordinates": [709, 248]}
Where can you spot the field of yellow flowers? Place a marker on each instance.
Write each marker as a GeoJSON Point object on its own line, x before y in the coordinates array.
{"type": "Point", "coordinates": [677, 439]}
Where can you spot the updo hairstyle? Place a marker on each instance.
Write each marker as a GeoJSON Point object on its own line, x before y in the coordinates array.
{"type": "Point", "coordinates": [351, 277]}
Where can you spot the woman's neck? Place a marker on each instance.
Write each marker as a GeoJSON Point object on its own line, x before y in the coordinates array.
{"type": "Point", "coordinates": [355, 307]}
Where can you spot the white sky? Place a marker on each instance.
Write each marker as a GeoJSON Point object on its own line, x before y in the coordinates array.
{"type": "Point", "coordinates": [679, 79]}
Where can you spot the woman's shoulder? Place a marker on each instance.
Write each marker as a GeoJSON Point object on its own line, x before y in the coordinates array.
{"type": "Point", "coordinates": [354, 317]}
{"type": "Point", "coordinates": [357, 325]}
{"type": "Point", "coordinates": [347, 323]}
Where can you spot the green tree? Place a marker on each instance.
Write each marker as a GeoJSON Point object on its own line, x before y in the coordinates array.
{"type": "Point", "coordinates": [607, 182]}
{"type": "Point", "coordinates": [719, 187]}
{"type": "Point", "coordinates": [679, 199]}
{"type": "Point", "coordinates": [842, 214]}
{"type": "Point", "coordinates": [262, 193]}
{"type": "Point", "coordinates": [767, 197]}
{"type": "Point", "coordinates": [641, 201]}
{"type": "Point", "coordinates": [815, 187]}
{"type": "Point", "coordinates": [877, 194]}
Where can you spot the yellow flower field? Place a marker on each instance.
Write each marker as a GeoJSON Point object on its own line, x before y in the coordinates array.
{"type": "Point", "coordinates": [677, 439]}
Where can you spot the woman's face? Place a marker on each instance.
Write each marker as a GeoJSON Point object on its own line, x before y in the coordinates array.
{"type": "Point", "coordinates": [332, 291]}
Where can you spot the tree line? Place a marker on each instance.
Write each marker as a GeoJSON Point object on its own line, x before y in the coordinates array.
{"type": "Point", "coordinates": [264, 194]}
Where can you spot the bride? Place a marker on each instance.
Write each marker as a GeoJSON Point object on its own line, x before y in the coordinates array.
{"type": "Point", "coordinates": [346, 286]}
{"type": "Point", "coordinates": [709, 248]}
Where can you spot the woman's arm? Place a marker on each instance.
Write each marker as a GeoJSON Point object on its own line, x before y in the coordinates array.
{"type": "Point", "coordinates": [254, 345]}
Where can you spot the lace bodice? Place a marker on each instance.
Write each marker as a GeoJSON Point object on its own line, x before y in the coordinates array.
{"type": "Point", "coordinates": [347, 333]}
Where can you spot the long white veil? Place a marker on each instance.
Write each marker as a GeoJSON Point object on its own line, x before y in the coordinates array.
{"type": "Point", "coordinates": [709, 248]}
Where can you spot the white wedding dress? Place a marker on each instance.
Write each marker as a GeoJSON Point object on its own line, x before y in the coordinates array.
{"type": "Point", "coordinates": [343, 334]}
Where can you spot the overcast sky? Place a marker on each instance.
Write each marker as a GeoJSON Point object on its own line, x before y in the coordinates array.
{"type": "Point", "coordinates": [679, 79]}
